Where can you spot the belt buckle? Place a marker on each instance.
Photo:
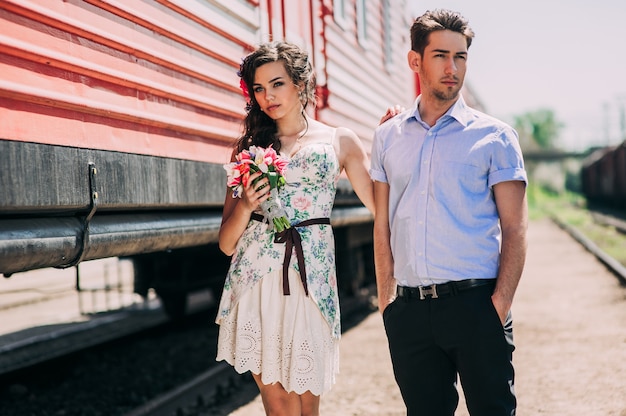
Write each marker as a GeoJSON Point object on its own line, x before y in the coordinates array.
{"type": "Point", "coordinates": [428, 290]}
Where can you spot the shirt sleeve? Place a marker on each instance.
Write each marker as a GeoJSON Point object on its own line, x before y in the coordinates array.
{"type": "Point", "coordinates": [377, 170]}
{"type": "Point", "coordinates": [507, 163]}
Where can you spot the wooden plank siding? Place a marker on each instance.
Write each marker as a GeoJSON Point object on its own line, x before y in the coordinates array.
{"type": "Point", "coordinates": [124, 84]}
{"type": "Point", "coordinates": [360, 81]}
{"type": "Point", "coordinates": [159, 77]}
{"type": "Point", "coordinates": [156, 78]}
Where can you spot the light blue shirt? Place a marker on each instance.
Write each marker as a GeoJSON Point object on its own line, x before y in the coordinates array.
{"type": "Point", "coordinates": [442, 213]}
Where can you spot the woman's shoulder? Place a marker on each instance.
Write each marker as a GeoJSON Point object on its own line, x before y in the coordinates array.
{"type": "Point", "coordinates": [345, 137]}
{"type": "Point", "coordinates": [343, 140]}
{"type": "Point", "coordinates": [322, 133]}
{"type": "Point", "coordinates": [335, 133]}
{"type": "Point", "coordinates": [345, 133]}
{"type": "Point", "coordinates": [316, 126]}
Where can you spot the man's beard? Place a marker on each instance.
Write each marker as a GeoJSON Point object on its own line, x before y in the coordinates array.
{"type": "Point", "coordinates": [446, 95]}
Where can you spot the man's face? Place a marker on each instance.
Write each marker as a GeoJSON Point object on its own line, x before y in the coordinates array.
{"type": "Point", "coordinates": [442, 67]}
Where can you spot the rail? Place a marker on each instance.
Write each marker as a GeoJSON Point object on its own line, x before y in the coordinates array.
{"type": "Point", "coordinates": [32, 243]}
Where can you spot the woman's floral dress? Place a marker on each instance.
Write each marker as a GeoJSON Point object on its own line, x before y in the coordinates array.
{"type": "Point", "coordinates": [291, 339]}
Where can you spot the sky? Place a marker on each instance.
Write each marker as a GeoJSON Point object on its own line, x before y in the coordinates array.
{"type": "Point", "coordinates": [568, 56]}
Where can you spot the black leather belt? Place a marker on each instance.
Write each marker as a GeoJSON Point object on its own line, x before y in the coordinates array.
{"type": "Point", "coordinates": [291, 238]}
{"type": "Point", "coordinates": [442, 290]}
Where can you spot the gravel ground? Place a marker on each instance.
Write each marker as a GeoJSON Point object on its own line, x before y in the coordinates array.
{"type": "Point", "coordinates": [115, 378]}
{"type": "Point", "coordinates": [570, 333]}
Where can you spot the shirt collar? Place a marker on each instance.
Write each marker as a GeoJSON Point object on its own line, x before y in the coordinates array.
{"type": "Point", "coordinates": [459, 111]}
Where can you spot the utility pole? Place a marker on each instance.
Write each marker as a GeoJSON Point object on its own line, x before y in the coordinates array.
{"type": "Point", "coordinates": [621, 99]}
{"type": "Point", "coordinates": [607, 134]}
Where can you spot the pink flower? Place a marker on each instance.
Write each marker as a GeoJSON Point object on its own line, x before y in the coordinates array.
{"type": "Point", "coordinates": [243, 156]}
{"type": "Point", "coordinates": [301, 203]}
{"type": "Point", "coordinates": [252, 160]}
{"type": "Point", "coordinates": [281, 165]}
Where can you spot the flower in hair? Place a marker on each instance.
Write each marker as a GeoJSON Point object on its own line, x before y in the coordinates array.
{"type": "Point", "coordinates": [244, 90]}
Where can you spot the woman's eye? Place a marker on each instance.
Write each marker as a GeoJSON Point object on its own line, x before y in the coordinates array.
{"type": "Point", "coordinates": [258, 89]}
{"type": "Point", "coordinates": [278, 84]}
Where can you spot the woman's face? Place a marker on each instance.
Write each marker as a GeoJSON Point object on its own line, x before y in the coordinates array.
{"type": "Point", "coordinates": [275, 92]}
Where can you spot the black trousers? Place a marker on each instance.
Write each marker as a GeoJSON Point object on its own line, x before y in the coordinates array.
{"type": "Point", "coordinates": [431, 341]}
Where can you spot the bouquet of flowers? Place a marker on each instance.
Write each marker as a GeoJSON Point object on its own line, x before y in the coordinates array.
{"type": "Point", "coordinates": [265, 160]}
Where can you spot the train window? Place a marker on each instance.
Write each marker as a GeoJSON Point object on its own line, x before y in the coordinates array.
{"type": "Point", "coordinates": [361, 23]}
{"type": "Point", "coordinates": [387, 35]}
{"type": "Point", "coordinates": [339, 12]}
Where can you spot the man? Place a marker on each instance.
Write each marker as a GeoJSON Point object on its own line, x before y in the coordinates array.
{"type": "Point", "coordinates": [449, 234]}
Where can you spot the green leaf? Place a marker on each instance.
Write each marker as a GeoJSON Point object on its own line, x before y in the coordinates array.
{"type": "Point", "coordinates": [273, 178]}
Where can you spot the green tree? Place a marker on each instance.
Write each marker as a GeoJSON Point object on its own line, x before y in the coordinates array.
{"type": "Point", "coordinates": [539, 127]}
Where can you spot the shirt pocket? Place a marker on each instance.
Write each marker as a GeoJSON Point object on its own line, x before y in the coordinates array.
{"type": "Point", "coordinates": [455, 177]}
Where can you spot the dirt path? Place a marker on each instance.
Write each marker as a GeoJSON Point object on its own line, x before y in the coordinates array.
{"type": "Point", "coordinates": [570, 333]}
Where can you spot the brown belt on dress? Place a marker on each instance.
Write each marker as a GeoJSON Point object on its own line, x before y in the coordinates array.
{"type": "Point", "coordinates": [291, 238]}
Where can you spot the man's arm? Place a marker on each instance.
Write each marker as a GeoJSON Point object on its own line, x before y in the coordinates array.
{"type": "Point", "coordinates": [510, 199]}
{"type": "Point", "coordinates": [383, 259]}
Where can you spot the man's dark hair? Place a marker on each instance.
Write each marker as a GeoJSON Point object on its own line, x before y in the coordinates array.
{"type": "Point", "coordinates": [439, 19]}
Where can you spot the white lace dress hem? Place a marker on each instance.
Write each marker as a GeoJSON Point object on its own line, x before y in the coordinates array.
{"type": "Point", "coordinates": [284, 338]}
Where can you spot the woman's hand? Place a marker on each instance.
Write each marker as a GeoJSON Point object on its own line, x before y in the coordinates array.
{"type": "Point", "coordinates": [255, 193]}
{"type": "Point", "coordinates": [391, 112]}
{"type": "Point", "coordinates": [236, 214]}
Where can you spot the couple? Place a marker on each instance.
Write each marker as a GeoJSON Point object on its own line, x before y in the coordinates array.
{"type": "Point", "coordinates": [447, 186]}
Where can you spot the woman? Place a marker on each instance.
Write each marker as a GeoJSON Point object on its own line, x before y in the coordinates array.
{"type": "Point", "coordinates": [285, 328]}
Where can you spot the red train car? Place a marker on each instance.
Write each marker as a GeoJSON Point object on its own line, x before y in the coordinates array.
{"type": "Point", "coordinates": [619, 156]}
{"type": "Point", "coordinates": [604, 177]}
{"type": "Point", "coordinates": [116, 118]}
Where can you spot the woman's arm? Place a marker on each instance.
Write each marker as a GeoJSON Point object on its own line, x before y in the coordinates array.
{"type": "Point", "coordinates": [353, 159]}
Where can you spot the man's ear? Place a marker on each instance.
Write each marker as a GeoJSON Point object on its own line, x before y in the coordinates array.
{"type": "Point", "coordinates": [414, 59]}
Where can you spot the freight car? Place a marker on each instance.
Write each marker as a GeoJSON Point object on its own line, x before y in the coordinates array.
{"type": "Point", "coordinates": [604, 177]}
{"type": "Point", "coordinates": [116, 118]}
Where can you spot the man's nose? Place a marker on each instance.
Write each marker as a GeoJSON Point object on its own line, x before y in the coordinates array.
{"type": "Point", "coordinates": [451, 67]}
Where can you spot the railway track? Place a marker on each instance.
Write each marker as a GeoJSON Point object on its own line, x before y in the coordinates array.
{"type": "Point", "coordinates": [130, 363]}
{"type": "Point", "coordinates": [93, 374]}
{"type": "Point", "coordinates": [612, 220]}
{"type": "Point", "coordinates": [211, 392]}
{"type": "Point", "coordinates": [602, 217]}
{"type": "Point", "coordinates": [42, 344]}
{"type": "Point", "coordinates": [45, 342]}
{"type": "Point", "coordinates": [203, 394]}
